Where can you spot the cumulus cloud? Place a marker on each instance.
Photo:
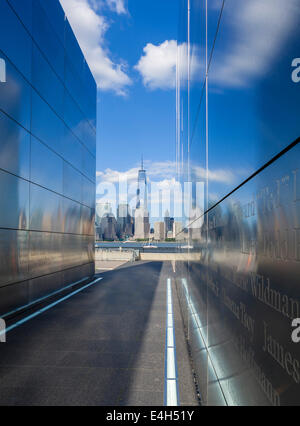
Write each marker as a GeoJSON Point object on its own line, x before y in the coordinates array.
{"type": "Point", "coordinates": [90, 27]}
{"type": "Point", "coordinates": [220, 176]}
{"type": "Point", "coordinates": [157, 171]}
{"type": "Point", "coordinates": [157, 65]}
{"type": "Point", "coordinates": [256, 31]}
{"type": "Point", "coordinates": [164, 191]}
{"type": "Point", "coordinates": [114, 176]}
{"type": "Point", "coordinates": [164, 172]}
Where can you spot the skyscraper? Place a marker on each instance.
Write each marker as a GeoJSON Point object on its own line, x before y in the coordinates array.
{"type": "Point", "coordinates": [101, 210]}
{"type": "Point", "coordinates": [108, 227]}
{"type": "Point", "coordinates": [124, 221]}
{"type": "Point", "coordinates": [169, 221]}
{"type": "Point", "coordinates": [142, 224]}
{"type": "Point", "coordinates": [178, 233]}
{"type": "Point", "coordinates": [142, 188]}
{"type": "Point", "coordinates": [159, 231]}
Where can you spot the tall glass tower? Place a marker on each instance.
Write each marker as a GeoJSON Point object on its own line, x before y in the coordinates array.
{"type": "Point", "coordinates": [142, 188]}
{"type": "Point", "coordinates": [142, 225]}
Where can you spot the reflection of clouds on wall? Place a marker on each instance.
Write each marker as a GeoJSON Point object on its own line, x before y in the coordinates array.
{"type": "Point", "coordinates": [90, 27]}
{"type": "Point", "coordinates": [220, 176]}
{"type": "Point", "coordinates": [255, 31]}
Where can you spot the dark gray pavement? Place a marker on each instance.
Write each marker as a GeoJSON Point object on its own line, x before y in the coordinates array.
{"type": "Point", "coordinates": [103, 346]}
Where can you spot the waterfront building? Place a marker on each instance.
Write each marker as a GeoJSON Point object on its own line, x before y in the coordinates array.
{"type": "Point", "coordinates": [124, 221]}
{"type": "Point", "coordinates": [159, 231]}
{"type": "Point", "coordinates": [101, 210]}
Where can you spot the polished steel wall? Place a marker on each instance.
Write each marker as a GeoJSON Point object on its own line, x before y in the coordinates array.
{"type": "Point", "coordinates": [47, 153]}
{"type": "Point", "coordinates": [238, 133]}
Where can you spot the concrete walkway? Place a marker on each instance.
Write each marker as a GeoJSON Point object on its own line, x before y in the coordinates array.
{"type": "Point", "coordinates": [108, 265]}
{"type": "Point", "coordinates": [103, 346]}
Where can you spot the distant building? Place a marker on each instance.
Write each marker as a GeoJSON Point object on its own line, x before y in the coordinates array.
{"type": "Point", "coordinates": [101, 210]}
{"type": "Point", "coordinates": [141, 214]}
{"type": "Point", "coordinates": [142, 195]}
{"type": "Point", "coordinates": [178, 233]}
{"type": "Point", "coordinates": [168, 221]}
{"type": "Point", "coordinates": [141, 224]}
{"type": "Point", "coordinates": [124, 221]}
{"type": "Point", "coordinates": [159, 231]}
{"type": "Point", "coordinates": [195, 229]}
{"type": "Point", "coordinates": [108, 227]}
{"type": "Point", "coordinates": [171, 224]}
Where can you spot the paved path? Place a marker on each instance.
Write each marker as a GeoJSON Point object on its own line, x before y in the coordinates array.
{"type": "Point", "coordinates": [103, 346]}
{"type": "Point", "coordinates": [108, 265]}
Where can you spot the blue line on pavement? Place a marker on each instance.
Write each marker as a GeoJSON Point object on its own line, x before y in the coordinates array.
{"type": "Point", "coordinates": [46, 308]}
{"type": "Point", "coordinates": [171, 394]}
{"type": "Point", "coordinates": [43, 298]}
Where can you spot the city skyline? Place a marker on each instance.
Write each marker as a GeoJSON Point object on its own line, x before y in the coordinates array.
{"type": "Point", "coordinates": [133, 222]}
{"type": "Point", "coordinates": [164, 196]}
{"type": "Point", "coordinates": [136, 84]}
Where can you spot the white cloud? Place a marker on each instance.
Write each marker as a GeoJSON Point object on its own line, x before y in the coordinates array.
{"type": "Point", "coordinates": [252, 33]}
{"type": "Point", "coordinates": [156, 171]}
{"type": "Point", "coordinates": [164, 172]}
{"type": "Point", "coordinates": [117, 6]}
{"type": "Point", "coordinates": [256, 31]}
{"type": "Point", "coordinates": [114, 176]}
{"type": "Point", "coordinates": [221, 176]}
{"type": "Point", "coordinates": [158, 65]}
{"type": "Point", "coordinates": [165, 193]}
{"type": "Point", "coordinates": [90, 27]}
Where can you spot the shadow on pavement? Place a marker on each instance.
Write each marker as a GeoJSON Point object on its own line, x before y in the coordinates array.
{"type": "Point", "coordinates": [85, 350]}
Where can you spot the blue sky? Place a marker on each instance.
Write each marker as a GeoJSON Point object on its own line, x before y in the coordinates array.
{"type": "Point", "coordinates": [131, 48]}
{"type": "Point", "coordinates": [135, 117]}
{"type": "Point", "coordinates": [144, 120]}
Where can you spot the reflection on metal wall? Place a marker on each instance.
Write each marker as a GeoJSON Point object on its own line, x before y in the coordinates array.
{"type": "Point", "coordinates": [47, 153]}
{"type": "Point", "coordinates": [238, 129]}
